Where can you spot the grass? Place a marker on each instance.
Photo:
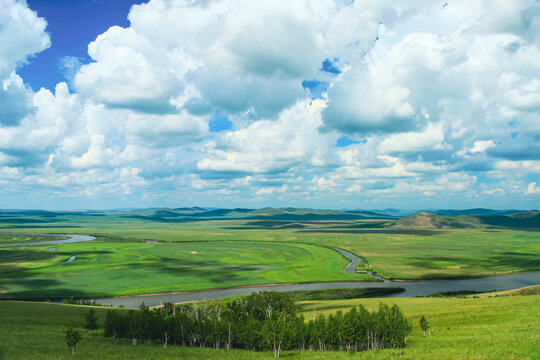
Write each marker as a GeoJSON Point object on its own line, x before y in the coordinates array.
{"type": "Point", "coordinates": [453, 253]}
{"type": "Point", "coordinates": [483, 328]}
{"type": "Point", "coordinates": [233, 253]}
{"type": "Point", "coordinates": [476, 328]}
{"type": "Point", "coordinates": [529, 290]}
{"type": "Point", "coordinates": [115, 268]}
{"type": "Point", "coordinates": [341, 294]}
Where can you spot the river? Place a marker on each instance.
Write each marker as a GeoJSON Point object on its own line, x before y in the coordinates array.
{"type": "Point", "coordinates": [73, 238]}
{"type": "Point", "coordinates": [412, 288]}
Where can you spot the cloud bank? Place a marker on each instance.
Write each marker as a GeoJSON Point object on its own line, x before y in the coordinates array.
{"type": "Point", "coordinates": [440, 101]}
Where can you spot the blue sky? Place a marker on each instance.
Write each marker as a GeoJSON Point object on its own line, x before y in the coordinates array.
{"type": "Point", "coordinates": [71, 25]}
{"type": "Point", "coordinates": [326, 104]}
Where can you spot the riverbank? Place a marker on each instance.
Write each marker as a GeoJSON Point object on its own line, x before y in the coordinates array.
{"type": "Point", "coordinates": [65, 239]}
{"type": "Point", "coordinates": [412, 289]}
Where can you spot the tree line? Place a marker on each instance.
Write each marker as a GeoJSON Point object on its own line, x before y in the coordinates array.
{"type": "Point", "coordinates": [261, 321]}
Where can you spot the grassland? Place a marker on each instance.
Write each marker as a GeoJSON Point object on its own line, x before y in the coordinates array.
{"type": "Point", "coordinates": [529, 290]}
{"type": "Point", "coordinates": [202, 253]}
{"type": "Point", "coordinates": [445, 253]}
{"type": "Point", "coordinates": [26, 238]}
{"type": "Point", "coordinates": [475, 328]}
{"type": "Point", "coordinates": [115, 268]}
{"type": "Point", "coordinates": [483, 328]}
{"type": "Point", "coordinates": [162, 251]}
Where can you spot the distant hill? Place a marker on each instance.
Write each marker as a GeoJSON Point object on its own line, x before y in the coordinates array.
{"type": "Point", "coordinates": [267, 213]}
{"type": "Point", "coordinates": [191, 209]}
{"type": "Point", "coordinates": [425, 220]}
{"type": "Point", "coordinates": [523, 220]}
{"type": "Point", "coordinates": [477, 211]}
{"type": "Point", "coordinates": [289, 217]}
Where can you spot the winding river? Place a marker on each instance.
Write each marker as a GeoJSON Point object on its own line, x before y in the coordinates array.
{"type": "Point", "coordinates": [412, 288]}
{"type": "Point", "coordinates": [73, 238]}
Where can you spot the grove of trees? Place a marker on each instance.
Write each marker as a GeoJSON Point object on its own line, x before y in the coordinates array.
{"type": "Point", "coordinates": [261, 321]}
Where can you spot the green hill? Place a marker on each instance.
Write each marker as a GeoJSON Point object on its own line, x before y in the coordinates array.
{"type": "Point", "coordinates": [425, 220]}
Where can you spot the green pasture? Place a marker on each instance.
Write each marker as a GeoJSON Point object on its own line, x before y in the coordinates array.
{"type": "Point", "coordinates": [444, 253]}
{"type": "Point", "coordinates": [114, 268]}
{"type": "Point", "coordinates": [193, 255]}
{"type": "Point", "coordinates": [473, 328]}
{"type": "Point", "coordinates": [483, 328]}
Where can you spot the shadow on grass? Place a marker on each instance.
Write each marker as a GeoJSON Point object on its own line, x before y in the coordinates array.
{"type": "Point", "coordinates": [210, 271]}
{"type": "Point", "coordinates": [508, 260]}
{"type": "Point", "coordinates": [388, 231]}
{"type": "Point", "coordinates": [32, 284]}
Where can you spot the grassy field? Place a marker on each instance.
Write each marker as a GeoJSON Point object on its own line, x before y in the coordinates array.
{"type": "Point", "coordinates": [529, 290]}
{"type": "Point", "coordinates": [483, 328]}
{"type": "Point", "coordinates": [114, 268]}
{"type": "Point", "coordinates": [195, 254]}
{"type": "Point", "coordinates": [476, 328]}
{"type": "Point", "coordinates": [445, 253]}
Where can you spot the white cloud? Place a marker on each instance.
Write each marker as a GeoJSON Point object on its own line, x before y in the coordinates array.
{"type": "Point", "coordinates": [238, 61]}
{"type": "Point", "coordinates": [128, 72]}
{"type": "Point", "coordinates": [22, 34]}
{"type": "Point", "coordinates": [270, 146]}
{"type": "Point", "coordinates": [166, 130]}
{"type": "Point", "coordinates": [431, 138]}
{"type": "Point", "coordinates": [434, 96]}
{"type": "Point", "coordinates": [532, 166]}
{"type": "Point", "coordinates": [271, 190]}
{"type": "Point", "coordinates": [497, 191]}
{"type": "Point", "coordinates": [532, 188]}
{"type": "Point", "coordinates": [482, 145]}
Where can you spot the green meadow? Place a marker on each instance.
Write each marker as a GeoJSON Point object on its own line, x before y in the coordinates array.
{"type": "Point", "coordinates": [154, 251]}
{"type": "Point", "coordinates": [476, 328]}
{"type": "Point", "coordinates": [136, 255]}
{"type": "Point", "coordinates": [116, 268]}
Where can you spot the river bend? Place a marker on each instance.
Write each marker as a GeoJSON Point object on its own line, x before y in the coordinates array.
{"type": "Point", "coordinates": [412, 288]}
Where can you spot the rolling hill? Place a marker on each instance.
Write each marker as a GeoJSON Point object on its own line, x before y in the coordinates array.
{"type": "Point", "coordinates": [426, 220]}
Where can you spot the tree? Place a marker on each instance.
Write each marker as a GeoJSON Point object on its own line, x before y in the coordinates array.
{"type": "Point", "coordinates": [263, 321]}
{"type": "Point", "coordinates": [91, 320]}
{"type": "Point", "coordinates": [424, 324]}
{"type": "Point", "coordinates": [274, 332]}
{"type": "Point", "coordinates": [73, 336]}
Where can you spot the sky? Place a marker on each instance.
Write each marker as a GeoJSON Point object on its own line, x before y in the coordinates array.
{"type": "Point", "coordinates": [333, 104]}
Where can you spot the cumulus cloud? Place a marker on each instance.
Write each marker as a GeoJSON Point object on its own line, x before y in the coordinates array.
{"type": "Point", "coordinates": [533, 189]}
{"type": "Point", "coordinates": [22, 34]}
{"type": "Point", "coordinates": [482, 145]}
{"type": "Point", "coordinates": [431, 138]}
{"type": "Point", "coordinates": [441, 101]}
{"type": "Point", "coordinates": [128, 73]}
{"type": "Point", "coordinates": [271, 146]}
{"type": "Point", "coordinates": [238, 61]}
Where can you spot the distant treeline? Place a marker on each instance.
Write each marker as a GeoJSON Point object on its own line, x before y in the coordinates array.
{"type": "Point", "coordinates": [261, 321]}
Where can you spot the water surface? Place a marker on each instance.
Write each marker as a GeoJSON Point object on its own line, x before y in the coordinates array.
{"type": "Point", "coordinates": [72, 239]}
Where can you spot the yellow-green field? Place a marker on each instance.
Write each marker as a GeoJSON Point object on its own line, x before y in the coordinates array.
{"type": "Point", "coordinates": [479, 328]}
